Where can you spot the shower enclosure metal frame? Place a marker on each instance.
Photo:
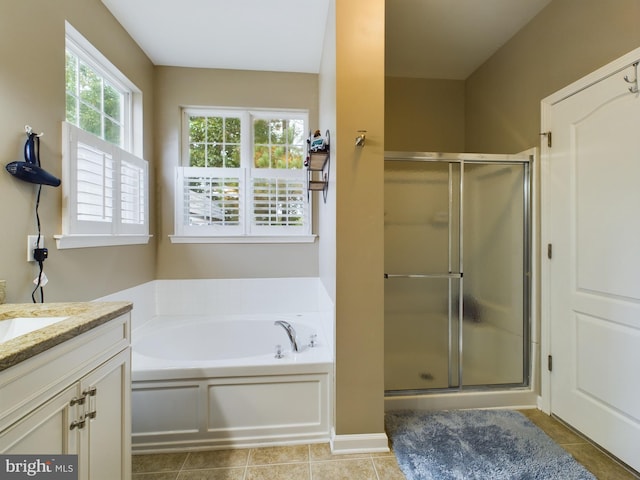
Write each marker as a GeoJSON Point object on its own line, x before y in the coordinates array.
{"type": "Point", "coordinates": [524, 159]}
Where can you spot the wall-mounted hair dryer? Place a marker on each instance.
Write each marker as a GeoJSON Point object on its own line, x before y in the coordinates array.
{"type": "Point", "coordinates": [30, 170]}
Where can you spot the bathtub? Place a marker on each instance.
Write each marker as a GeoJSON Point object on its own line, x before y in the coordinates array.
{"type": "Point", "coordinates": [174, 346]}
{"type": "Point", "coordinates": [223, 379]}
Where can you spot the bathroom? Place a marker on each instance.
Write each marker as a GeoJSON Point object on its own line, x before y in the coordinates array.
{"type": "Point", "coordinates": [497, 109]}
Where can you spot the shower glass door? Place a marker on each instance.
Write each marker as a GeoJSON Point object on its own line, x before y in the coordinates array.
{"type": "Point", "coordinates": [456, 268]}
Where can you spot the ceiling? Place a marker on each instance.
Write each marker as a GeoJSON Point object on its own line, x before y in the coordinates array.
{"type": "Point", "coordinates": [287, 35]}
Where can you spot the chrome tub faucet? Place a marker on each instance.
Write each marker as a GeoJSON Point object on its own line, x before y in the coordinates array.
{"type": "Point", "coordinates": [291, 333]}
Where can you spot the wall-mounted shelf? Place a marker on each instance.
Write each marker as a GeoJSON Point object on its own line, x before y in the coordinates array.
{"type": "Point", "coordinates": [318, 163]}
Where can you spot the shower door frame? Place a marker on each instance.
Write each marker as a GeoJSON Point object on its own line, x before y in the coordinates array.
{"type": "Point", "coordinates": [526, 160]}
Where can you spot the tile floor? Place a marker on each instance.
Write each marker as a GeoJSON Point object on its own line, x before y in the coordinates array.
{"type": "Point", "coordinates": [299, 462]}
{"type": "Point", "coordinates": [601, 465]}
{"type": "Point", "coordinates": [315, 462]}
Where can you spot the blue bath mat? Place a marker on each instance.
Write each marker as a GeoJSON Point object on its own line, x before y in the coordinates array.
{"type": "Point", "coordinates": [477, 444]}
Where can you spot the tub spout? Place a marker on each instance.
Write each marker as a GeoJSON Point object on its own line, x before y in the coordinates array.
{"type": "Point", "coordinates": [291, 333]}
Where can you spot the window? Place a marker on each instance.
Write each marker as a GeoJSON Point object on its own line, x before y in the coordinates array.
{"type": "Point", "coordinates": [242, 176]}
{"type": "Point", "coordinates": [93, 103]}
{"type": "Point", "coordinates": [105, 186]}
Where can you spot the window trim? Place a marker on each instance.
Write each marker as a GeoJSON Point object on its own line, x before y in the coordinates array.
{"type": "Point", "coordinates": [183, 234]}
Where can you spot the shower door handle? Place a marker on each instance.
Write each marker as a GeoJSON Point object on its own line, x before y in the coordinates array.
{"type": "Point", "coordinates": [424, 275]}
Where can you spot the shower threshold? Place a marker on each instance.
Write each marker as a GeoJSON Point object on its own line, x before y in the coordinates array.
{"type": "Point", "coordinates": [469, 397]}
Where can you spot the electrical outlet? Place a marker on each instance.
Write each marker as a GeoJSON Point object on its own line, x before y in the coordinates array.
{"type": "Point", "coordinates": [32, 243]}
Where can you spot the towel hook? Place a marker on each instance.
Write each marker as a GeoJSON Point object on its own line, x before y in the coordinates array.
{"type": "Point", "coordinates": [361, 138]}
{"type": "Point", "coordinates": [29, 131]}
{"type": "Point", "coordinates": [634, 87]}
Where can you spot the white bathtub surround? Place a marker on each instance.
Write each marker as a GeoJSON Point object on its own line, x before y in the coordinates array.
{"type": "Point", "coordinates": [142, 296]}
{"type": "Point", "coordinates": [204, 370]}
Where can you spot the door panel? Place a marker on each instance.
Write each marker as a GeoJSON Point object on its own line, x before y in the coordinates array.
{"type": "Point", "coordinates": [418, 335]}
{"type": "Point", "coordinates": [421, 217]}
{"type": "Point", "coordinates": [594, 291]}
{"type": "Point", "coordinates": [601, 348]}
{"type": "Point", "coordinates": [494, 272]}
{"type": "Point", "coordinates": [421, 249]}
{"type": "Point", "coordinates": [46, 429]}
{"type": "Point", "coordinates": [607, 196]}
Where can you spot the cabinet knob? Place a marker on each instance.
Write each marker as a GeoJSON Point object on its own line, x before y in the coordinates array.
{"type": "Point", "coordinates": [77, 401]}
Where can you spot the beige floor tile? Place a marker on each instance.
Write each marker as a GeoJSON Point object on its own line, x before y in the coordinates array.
{"type": "Point", "coordinates": [353, 469]}
{"type": "Point", "coordinates": [288, 471]}
{"type": "Point", "coordinates": [602, 466]}
{"type": "Point", "coordinates": [387, 468]}
{"type": "Point", "coordinates": [213, 474]}
{"type": "Point", "coordinates": [155, 476]}
{"type": "Point", "coordinates": [552, 427]}
{"type": "Point", "coordinates": [216, 459]}
{"type": "Point", "coordinates": [315, 461]}
{"type": "Point", "coordinates": [272, 455]}
{"type": "Point", "coordinates": [322, 451]}
{"type": "Point", "coordinates": [157, 462]}
{"type": "Point", "coordinates": [383, 454]}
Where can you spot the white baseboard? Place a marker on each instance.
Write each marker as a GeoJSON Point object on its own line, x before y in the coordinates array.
{"type": "Point", "coordinates": [359, 443]}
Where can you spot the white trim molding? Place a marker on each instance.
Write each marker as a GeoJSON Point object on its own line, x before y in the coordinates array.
{"type": "Point", "coordinates": [244, 239]}
{"type": "Point", "coordinates": [359, 443]}
{"type": "Point", "coordinates": [83, 241]}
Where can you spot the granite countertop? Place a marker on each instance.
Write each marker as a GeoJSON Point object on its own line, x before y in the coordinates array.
{"type": "Point", "coordinates": [83, 316]}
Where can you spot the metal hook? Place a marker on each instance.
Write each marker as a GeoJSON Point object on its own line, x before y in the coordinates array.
{"type": "Point", "coordinates": [29, 131]}
{"type": "Point", "coordinates": [634, 87]}
{"type": "Point", "coordinates": [361, 138]}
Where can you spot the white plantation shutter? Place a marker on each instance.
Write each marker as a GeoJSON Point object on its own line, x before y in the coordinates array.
{"type": "Point", "coordinates": [133, 194]}
{"type": "Point", "coordinates": [94, 185]}
{"type": "Point", "coordinates": [105, 189]}
{"type": "Point", "coordinates": [209, 200]}
{"type": "Point", "coordinates": [279, 202]}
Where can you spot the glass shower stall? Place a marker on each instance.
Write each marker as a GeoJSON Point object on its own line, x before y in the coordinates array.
{"type": "Point", "coordinates": [457, 271]}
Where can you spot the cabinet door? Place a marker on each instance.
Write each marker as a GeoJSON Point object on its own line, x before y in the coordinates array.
{"type": "Point", "coordinates": [108, 432]}
{"type": "Point", "coordinates": [47, 429]}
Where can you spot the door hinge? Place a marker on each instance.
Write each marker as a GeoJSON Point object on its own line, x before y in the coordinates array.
{"type": "Point", "coordinates": [550, 363]}
{"type": "Point", "coordinates": [549, 251]}
{"type": "Point", "coordinates": [549, 137]}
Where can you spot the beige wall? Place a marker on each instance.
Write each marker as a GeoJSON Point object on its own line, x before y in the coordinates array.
{"type": "Point", "coordinates": [32, 41]}
{"type": "Point", "coordinates": [566, 41]}
{"type": "Point", "coordinates": [179, 87]}
{"type": "Point", "coordinates": [326, 212]}
{"type": "Point", "coordinates": [359, 217]}
{"type": "Point", "coordinates": [424, 115]}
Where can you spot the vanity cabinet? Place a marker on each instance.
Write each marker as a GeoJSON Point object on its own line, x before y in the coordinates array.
{"type": "Point", "coordinates": [74, 399]}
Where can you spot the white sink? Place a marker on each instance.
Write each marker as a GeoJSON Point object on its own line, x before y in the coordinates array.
{"type": "Point", "coordinates": [16, 327]}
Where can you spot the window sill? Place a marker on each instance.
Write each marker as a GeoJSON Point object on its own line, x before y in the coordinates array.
{"type": "Point", "coordinates": [83, 241]}
{"type": "Point", "coordinates": [245, 239]}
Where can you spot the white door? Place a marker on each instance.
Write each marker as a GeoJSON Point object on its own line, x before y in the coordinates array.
{"type": "Point", "coordinates": [592, 198]}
